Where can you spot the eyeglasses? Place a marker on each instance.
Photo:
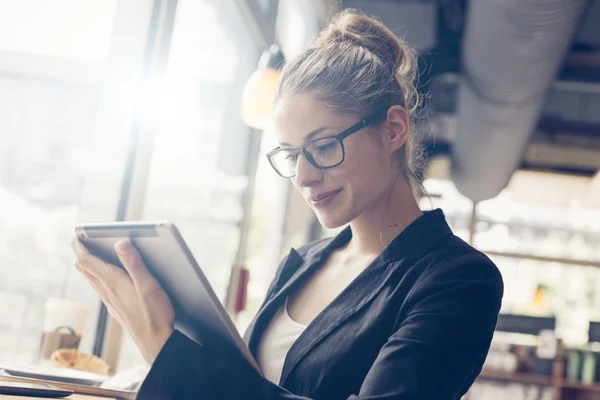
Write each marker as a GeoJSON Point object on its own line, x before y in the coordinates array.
{"type": "Point", "coordinates": [322, 153]}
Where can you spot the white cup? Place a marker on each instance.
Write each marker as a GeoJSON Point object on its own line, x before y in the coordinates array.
{"type": "Point", "coordinates": [65, 316]}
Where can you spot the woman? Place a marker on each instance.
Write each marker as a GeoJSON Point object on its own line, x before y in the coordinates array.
{"type": "Point", "coordinates": [393, 307]}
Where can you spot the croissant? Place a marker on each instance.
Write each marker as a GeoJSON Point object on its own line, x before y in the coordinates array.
{"type": "Point", "coordinates": [73, 358]}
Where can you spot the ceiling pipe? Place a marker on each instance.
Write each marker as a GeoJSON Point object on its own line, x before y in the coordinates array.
{"type": "Point", "coordinates": [512, 53]}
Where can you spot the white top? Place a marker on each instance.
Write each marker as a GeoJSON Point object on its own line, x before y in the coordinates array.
{"type": "Point", "coordinates": [279, 336]}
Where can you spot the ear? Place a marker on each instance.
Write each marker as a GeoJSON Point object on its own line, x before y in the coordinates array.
{"type": "Point", "coordinates": [398, 127]}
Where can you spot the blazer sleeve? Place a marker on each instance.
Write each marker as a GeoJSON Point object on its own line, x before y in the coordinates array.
{"type": "Point", "coordinates": [442, 342]}
{"type": "Point", "coordinates": [436, 351]}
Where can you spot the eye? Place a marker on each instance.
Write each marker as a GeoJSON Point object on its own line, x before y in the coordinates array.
{"type": "Point", "coordinates": [291, 158]}
{"type": "Point", "coordinates": [324, 148]}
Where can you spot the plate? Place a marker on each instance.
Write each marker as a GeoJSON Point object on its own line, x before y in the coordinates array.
{"type": "Point", "coordinates": [54, 374]}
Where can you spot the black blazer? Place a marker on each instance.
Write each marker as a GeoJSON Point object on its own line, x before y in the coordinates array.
{"type": "Point", "coordinates": [416, 324]}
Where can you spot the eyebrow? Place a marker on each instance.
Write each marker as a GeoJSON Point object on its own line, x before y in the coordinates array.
{"type": "Point", "coordinates": [311, 134]}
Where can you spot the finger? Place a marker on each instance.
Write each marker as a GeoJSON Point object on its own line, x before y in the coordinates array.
{"type": "Point", "coordinates": [104, 292]}
{"type": "Point", "coordinates": [96, 283]}
{"type": "Point", "coordinates": [105, 272]}
{"type": "Point", "coordinates": [105, 279]}
{"type": "Point", "coordinates": [134, 265]}
{"type": "Point", "coordinates": [115, 316]}
{"type": "Point", "coordinates": [81, 252]}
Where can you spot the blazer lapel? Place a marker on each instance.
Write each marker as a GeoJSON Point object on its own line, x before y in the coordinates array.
{"type": "Point", "coordinates": [256, 328]}
{"type": "Point", "coordinates": [294, 271]}
{"type": "Point", "coordinates": [354, 297]}
{"type": "Point", "coordinates": [409, 245]}
{"type": "Point", "coordinates": [412, 243]}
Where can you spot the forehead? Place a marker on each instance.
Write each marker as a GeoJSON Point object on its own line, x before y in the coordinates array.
{"type": "Point", "coordinates": [295, 117]}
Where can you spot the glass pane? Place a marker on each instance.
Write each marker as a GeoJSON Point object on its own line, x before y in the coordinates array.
{"type": "Point", "coordinates": [264, 5]}
{"type": "Point", "coordinates": [56, 166]}
{"type": "Point", "coordinates": [326, 152]}
{"type": "Point", "coordinates": [197, 173]}
{"type": "Point", "coordinates": [266, 231]}
{"type": "Point", "coordinates": [71, 29]}
{"type": "Point", "coordinates": [186, 183]}
{"type": "Point", "coordinates": [284, 162]}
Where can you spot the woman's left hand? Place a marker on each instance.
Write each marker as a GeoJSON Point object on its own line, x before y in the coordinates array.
{"type": "Point", "coordinates": [132, 296]}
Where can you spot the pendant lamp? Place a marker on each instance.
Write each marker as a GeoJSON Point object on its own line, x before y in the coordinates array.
{"type": "Point", "coordinates": [259, 92]}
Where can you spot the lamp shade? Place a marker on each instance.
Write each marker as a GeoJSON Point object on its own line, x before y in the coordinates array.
{"type": "Point", "coordinates": [259, 92]}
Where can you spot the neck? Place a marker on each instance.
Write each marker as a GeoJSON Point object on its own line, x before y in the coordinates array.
{"type": "Point", "coordinates": [374, 229]}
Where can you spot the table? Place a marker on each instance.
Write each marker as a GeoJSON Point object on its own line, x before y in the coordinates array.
{"type": "Point", "coordinates": [82, 392]}
{"type": "Point", "coordinates": [72, 397]}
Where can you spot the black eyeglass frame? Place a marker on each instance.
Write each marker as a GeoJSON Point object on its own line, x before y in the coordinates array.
{"type": "Point", "coordinates": [339, 137]}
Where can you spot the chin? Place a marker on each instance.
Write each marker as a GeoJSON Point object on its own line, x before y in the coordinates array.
{"type": "Point", "coordinates": [332, 220]}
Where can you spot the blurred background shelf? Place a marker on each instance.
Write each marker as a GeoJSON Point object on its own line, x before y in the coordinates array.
{"type": "Point", "coordinates": [581, 386]}
{"type": "Point", "coordinates": [520, 377]}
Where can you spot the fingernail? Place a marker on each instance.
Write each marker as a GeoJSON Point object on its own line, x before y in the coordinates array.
{"type": "Point", "coordinates": [122, 247]}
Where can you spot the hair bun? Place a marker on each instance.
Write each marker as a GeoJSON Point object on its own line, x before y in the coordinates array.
{"type": "Point", "coordinates": [351, 26]}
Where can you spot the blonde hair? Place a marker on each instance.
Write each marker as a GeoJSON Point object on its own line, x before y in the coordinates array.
{"type": "Point", "coordinates": [359, 66]}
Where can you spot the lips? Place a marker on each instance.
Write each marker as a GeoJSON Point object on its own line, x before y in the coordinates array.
{"type": "Point", "coordinates": [323, 199]}
{"type": "Point", "coordinates": [322, 196]}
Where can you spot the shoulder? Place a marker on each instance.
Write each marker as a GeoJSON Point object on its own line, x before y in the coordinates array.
{"type": "Point", "coordinates": [457, 267]}
{"type": "Point", "coordinates": [453, 257]}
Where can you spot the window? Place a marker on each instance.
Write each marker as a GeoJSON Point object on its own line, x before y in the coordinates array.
{"type": "Point", "coordinates": [266, 236]}
{"type": "Point", "coordinates": [200, 146]}
{"type": "Point", "coordinates": [68, 29]}
{"type": "Point", "coordinates": [56, 165]}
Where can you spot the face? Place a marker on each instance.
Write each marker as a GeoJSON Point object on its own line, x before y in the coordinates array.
{"type": "Point", "coordinates": [361, 183]}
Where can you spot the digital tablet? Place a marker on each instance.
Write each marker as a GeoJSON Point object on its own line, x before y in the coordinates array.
{"type": "Point", "coordinates": [33, 390]}
{"type": "Point", "coordinates": [198, 312]}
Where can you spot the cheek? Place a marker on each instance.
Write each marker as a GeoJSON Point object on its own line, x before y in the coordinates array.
{"type": "Point", "coordinates": [366, 161]}
{"type": "Point", "coordinates": [365, 171]}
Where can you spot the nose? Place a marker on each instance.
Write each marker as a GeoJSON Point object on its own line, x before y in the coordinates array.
{"type": "Point", "coordinates": [306, 173]}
